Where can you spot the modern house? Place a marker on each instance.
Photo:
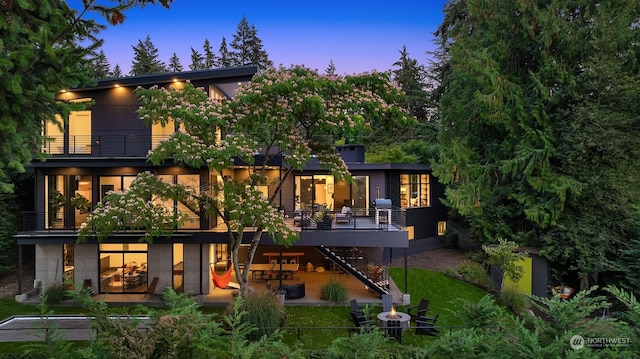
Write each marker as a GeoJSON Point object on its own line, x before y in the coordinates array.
{"type": "Point", "coordinates": [393, 209]}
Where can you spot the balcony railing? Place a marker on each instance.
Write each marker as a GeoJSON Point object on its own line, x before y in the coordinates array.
{"type": "Point", "coordinates": [362, 219]}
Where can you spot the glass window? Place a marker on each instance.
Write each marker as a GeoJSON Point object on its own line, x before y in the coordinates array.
{"type": "Point", "coordinates": [161, 132]}
{"type": "Point", "coordinates": [123, 268]}
{"type": "Point", "coordinates": [81, 204]}
{"type": "Point", "coordinates": [53, 137]}
{"type": "Point", "coordinates": [114, 183]}
{"type": "Point", "coordinates": [321, 191]}
{"type": "Point", "coordinates": [56, 204]}
{"type": "Point", "coordinates": [80, 132]}
{"type": "Point", "coordinates": [414, 190]}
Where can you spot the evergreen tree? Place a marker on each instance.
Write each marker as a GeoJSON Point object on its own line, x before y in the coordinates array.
{"type": "Point", "coordinates": [101, 66]}
{"type": "Point", "coordinates": [224, 59]}
{"type": "Point", "coordinates": [45, 47]}
{"type": "Point", "coordinates": [117, 72]}
{"type": "Point", "coordinates": [174, 64]}
{"type": "Point", "coordinates": [247, 47]}
{"type": "Point", "coordinates": [538, 125]}
{"type": "Point", "coordinates": [209, 56]}
{"type": "Point", "coordinates": [331, 69]}
{"type": "Point", "coordinates": [410, 76]}
{"type": "Point", "coordinates": [197, 61]}
{"type": "Point", "coordinates": [145, 59]}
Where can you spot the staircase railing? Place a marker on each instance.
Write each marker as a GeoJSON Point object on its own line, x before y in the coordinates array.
{"type": "Point", "coordinates": [354, 261]}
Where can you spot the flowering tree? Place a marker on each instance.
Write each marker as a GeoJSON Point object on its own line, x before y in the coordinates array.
{"type": "Point", "coordinates": [294, 113]}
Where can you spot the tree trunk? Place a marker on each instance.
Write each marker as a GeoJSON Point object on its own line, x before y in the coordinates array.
{"type": "Point", "coordinates": [236, 240]}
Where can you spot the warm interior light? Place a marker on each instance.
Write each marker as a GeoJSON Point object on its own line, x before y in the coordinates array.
{"type": "Point", "coordinates": [117, 85]}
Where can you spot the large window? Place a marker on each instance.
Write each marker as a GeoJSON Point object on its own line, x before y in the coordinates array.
{"type": "Point", "coordinates": [77, 128]}
{"type": "Point", "coordinates": [53, 137]}
{"type": "Point", "coordinates": [321, 191]}
{"type": "Point", "coordinates": [114, 183]}
{"type": "Point", "coordinates": [161, 132]}
{"type": "Point", "coordinates": [123, 268]}
{"type": "Point", "coordinates": [414, 190]}
{"type": "Point", "coordinates": [193, 181]}
{"type": "Point", "coordinates": [80, 132]}
{"type": "Point", "coordinates": [69, 200]}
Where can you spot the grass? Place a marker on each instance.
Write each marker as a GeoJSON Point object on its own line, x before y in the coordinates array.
{"type": "Point", "coordinates": [435, 286]}
{"type": "Point", "coordinates": [440, 289]}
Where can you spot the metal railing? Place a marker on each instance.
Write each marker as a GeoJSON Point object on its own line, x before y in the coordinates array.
{"type": "Point", "coordinates": [361, 219]}
{"type": "Point", "coordinates": [356, 262]}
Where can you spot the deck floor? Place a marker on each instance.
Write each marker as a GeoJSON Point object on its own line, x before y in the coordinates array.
{"type": "Point", "coordinates": [221, 297]}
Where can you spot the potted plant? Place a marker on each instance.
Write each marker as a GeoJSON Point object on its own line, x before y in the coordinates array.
{"type": "Point", "coordinates": [56, 202]}
{"type": "Point", "coordinates": [323, 220]}
{"type": "Point", "coordinates": [81, 203]}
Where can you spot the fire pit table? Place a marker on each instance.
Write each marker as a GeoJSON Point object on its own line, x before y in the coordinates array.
{"type": "Point", "coordinates": [385, 317]}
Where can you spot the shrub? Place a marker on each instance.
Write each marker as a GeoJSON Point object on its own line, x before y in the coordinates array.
{"type": "Point", "coordinates": [333, 291]}
{"type": "Point", "coordinates": [264, 310]}
{"type": "Point", "coordinates": [55, 294]}
{"type": "Point", "coordinates": [450, 239]}
{"type": "Point", "coordinates": [485, 313]}
{"type": "Point", "coordinates": [475, 273]}
{"type": "Point", "coordinates": [515, 300]}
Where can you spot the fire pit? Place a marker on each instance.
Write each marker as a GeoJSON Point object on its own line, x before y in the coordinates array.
{"type": "Point", "coordinates": [385, 317]}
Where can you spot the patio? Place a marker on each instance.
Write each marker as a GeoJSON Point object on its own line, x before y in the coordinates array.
{"type": "Point", "coordinates": [313, 283]}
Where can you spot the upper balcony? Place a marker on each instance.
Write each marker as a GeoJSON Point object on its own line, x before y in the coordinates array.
{"type": "Point", "coordinates": [129, 145]}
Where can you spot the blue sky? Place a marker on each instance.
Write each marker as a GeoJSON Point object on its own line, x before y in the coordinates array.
{"type": "Point", "coordinates": [357, 35]}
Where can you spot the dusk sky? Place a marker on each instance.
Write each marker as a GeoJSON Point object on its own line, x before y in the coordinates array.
{"type": "Point", "coordinates": [357, 35]}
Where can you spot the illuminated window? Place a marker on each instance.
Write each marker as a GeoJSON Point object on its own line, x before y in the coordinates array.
{"type": "Point", "coordinates": [414, 190]}
{"type": "Point", "coordinates": [442, 228]}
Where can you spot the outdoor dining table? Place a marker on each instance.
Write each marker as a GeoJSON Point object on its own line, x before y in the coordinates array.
{"type": "Point", "coordinates": [262, 270]}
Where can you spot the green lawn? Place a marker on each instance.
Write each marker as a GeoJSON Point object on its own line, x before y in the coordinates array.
{"type": "Point", "coordinates": [435, 286]}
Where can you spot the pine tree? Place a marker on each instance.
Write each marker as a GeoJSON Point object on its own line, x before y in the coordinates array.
{"type": "Point", "coordinates": [197, 61]}
{"type": "Point", "coordinates": [117, 72]}
{"type": "Point", "coordinates": [224, 59]}
{"type": "Point", "coordinates": [247, 47]}
{"type": "Point", "coordinates": [209, 56]}
{"type": "Point", "coordinates": [410, 76]}
{"type": "Point", "coordinates": [145, 59]}
{"type": "Point", "coordinates": [331, 69]}
{"type": "Point", "coordinates": [100, 66]}
{"type": "Point", "coordinates": [174, 64]}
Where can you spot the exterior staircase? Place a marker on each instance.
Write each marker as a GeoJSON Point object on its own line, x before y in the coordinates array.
{"type": "Point", "coordinates": [355, 262]}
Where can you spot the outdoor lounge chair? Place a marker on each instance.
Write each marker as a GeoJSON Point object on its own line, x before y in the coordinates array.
{"type": "Point", "coordinates": [420, 311]}
{"type": "Point", "coordinates": [344, 216]}
{"type": "Point", "coordinates": [426, 326]}
{"type": "Point", "coordinates": [394, 330]}
{"type": "Point", "coordinates": [387, 302]}
{"type": "Point", "coordinates": [361, 322]}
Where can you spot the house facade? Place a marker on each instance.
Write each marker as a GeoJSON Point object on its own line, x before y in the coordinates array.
{"type": "Point", "coordinates": [387, 211]}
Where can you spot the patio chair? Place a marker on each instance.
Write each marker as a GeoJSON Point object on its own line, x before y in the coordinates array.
{"type": "Point", "coordinates": [394, 330]}
{"type": "Point", "coordinates": [344, 216]}
{"type": "Point", "coordinates": [419, 311]}
{"type": "Point", "coordinates": [426, 326]}
{"type": "Point", "coordinates": [387, 302]}
{"type": "Point", "coordinates": [354, 306]}
{"type": "Point", "coordinates": [361, 323]}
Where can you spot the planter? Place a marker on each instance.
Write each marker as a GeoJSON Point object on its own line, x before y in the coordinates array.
{"type": "Point", "coordinates": [325, 224]}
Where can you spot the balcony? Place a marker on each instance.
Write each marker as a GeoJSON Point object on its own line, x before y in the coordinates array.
{"type": "Point", "coordinates": [362, 219]}
{"type": "Point", "coordinates": [130, 145]}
